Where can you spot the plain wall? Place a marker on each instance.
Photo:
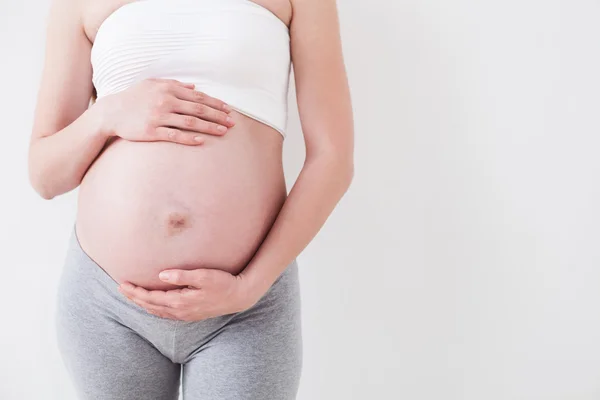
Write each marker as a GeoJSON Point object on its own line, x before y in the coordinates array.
{"type": "Point", "coordinates": [462, 263]}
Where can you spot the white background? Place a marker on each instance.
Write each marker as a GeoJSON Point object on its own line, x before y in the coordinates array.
{"type": "Point", "coordinates": [463, 262]}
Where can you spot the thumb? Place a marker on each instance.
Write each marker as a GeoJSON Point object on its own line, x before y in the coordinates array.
{"type": "Point", "coordinates": [182, 277]}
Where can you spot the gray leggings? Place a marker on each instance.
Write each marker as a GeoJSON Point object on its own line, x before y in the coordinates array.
{"type": "Point", "coordinates": [115, 350]}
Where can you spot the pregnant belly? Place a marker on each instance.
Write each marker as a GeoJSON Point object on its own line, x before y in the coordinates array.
{"type": "Point", "coordinates": [147, 206]}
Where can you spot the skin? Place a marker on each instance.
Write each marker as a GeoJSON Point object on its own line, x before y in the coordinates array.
{"type": "Point", "coordinates": [326, 117]}
{"type": "Point", "coordinates": [174, 205]}
{"type": "Point", "coordinates": [67, 135]}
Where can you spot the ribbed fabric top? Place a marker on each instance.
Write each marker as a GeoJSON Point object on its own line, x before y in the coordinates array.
{"type": "Point", "coordinates": [235, 50]}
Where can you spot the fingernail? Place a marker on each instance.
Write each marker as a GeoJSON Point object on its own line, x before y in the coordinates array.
{"type": "Point", "coordinates": [226, 108]}
{"type": "Point", "coordinates": [198, 138]}
{"type": "Point", "coordinates": [221, 128]}
{"type": "Point", "coordinates": [229, 120]}
{"type": "Point", "coordinates": [164, 276]}
{"type": "Point", "coordinates": [126, 286]}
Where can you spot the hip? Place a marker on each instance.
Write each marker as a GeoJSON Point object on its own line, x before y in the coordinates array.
{"type": "Point", "coordinates": [89, 303]}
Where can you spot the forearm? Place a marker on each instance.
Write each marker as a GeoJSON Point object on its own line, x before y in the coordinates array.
{"type": "Point", "coordinates": [321, 184]}
{"type": "Point", "coordinates": [58, 162]}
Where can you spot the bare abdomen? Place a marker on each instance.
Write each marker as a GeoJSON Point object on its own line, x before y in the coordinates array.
{"type": "Point", "coordinates": [148, 206]}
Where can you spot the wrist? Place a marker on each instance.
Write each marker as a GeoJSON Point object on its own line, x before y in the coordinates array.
{"type": "Point", "coordinates": [254, 285]}
{"type": "Point", "coordinates": [100, 120]}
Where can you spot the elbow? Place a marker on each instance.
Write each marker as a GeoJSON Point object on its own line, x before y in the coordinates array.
{"type": "Point", "coordinates": [348, 173]}
{"type": "Point", "coordinates": [343, 159]}
{"type": "Point", "coordinates": [338, 165]}
{"type": "Point", "coordinates": [45, 195]}
{"type": "Point", "coordinates": [34, 174]}
{"type": "Point", "coordinates": [342, 175]}
{"type": "Point", "coordinates": [46, 187]}
{"type": "Point", "coordinates": [37, 183]}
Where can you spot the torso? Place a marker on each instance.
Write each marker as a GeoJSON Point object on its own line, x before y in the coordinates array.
{"type": "Point", "coordinates": [148, 206]}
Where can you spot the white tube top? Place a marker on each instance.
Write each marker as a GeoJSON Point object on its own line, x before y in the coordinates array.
{"type": "Point", "coordinates": [235, 50]}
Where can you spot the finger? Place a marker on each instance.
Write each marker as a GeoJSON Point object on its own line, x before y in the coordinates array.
{"type": "Point", "coordinates": [175, 82]}
{"type": "Point", "coordinates": [190, 123]}
{"type": "Point", "coordinates": [155, 297]}
{"type": "Point", "coordinates": [204, 112]}
{"type": "Point", "coordinates": [163, 133]}
{"type": "Point", "coordinates": [190, 291]}
{"type": "Point", "coordinates": [159, 311]}
{"type": "Point", "coordinates": [197, 96]}
{"type": "Point", "coordinates": [195, 278]}
{"type": "Point", "coordinates": [170, 299]}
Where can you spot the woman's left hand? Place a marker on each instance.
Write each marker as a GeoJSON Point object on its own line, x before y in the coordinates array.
{"type": "Point", "coordinates": [209, 293]}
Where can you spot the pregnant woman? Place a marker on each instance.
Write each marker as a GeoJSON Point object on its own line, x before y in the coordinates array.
{"type": "Point", "coordinates": [181, 266]}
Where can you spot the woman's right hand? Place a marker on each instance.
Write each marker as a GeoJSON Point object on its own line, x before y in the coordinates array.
{"type": "Point", "coordinates": [164, 110]}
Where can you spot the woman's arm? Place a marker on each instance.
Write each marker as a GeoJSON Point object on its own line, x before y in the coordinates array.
{"type": "Point", "coordinates": [67, 136]}
{"type": "Point", "coordinates": [60, 150]}
{"type": "Point", "coordinates": [327, 123]}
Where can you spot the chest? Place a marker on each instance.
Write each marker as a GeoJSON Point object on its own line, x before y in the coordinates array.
{"type": "Point", "coordinates": [95, 13]}
{"type": "Point", "coordinates": [225, 42]}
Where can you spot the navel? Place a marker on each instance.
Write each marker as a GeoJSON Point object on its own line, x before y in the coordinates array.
{"type": "Point", "coordinates": [177, 222]}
